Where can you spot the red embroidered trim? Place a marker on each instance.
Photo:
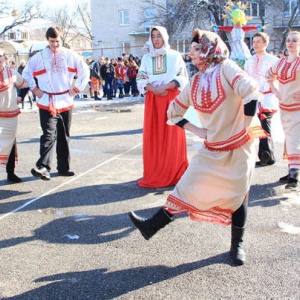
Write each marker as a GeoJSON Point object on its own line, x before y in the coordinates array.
{"type": "Point", "coordinates": [19, 86]}
{"type": "Point", "coordinates": [232, 143]}
{"type": "Point", "coordinates": [3, 159]}
{"type": "Point", "coordinates": [294, 157]}
{"type": "Point", "coordinates": [282, 70]}
{"type": "Point", "coordinates": [77, 90]}
{"type": "Point", "coordinates": [10, 114]}
{"type": "Point", "coordinates": [235, 79]}
{"type": "Point", "coordinates": [290, 107]}
{"type": "Point", "coordinates": [37, 73]}
{"type": "Point", "coordinates": [213, 215]}
{"type": "Point", "coordinates": [3, 85]}
{"type": "Point", "coordinates": [73, 70]}
{"type": "Point", "coordinates": [208, 106]}
{"type": "Point", "coordinates": [180, 104]}
{"type": "Point", "coordinates": [267, 92]}
{"type": "Point", "coordinates": [265, 110]}
{"type": "Point", "coordinates": [57, 110]}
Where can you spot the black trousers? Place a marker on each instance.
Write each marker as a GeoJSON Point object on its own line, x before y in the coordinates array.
{"type": "Point", "coordinates": [10, 166]}
{"type": "Point", "coordinates": [56, 129]}
{"type": "Point", "coordinates": [22, 94]}
{"type": "Point", "coordinates": [266, 144]}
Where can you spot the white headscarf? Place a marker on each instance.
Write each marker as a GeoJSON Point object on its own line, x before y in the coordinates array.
{"type": "Point", "coordinates": [149, 48]}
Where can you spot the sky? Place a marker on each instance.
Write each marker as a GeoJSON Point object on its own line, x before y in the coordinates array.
{"type": "Point", "coordinates": [48, 3]}
{"type": "Point", "coordinates": [55, 3]}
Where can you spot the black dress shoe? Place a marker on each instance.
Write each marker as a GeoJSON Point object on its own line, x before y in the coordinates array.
{"type": "Point", "coordinates": [66, 173]}
{"type": "Point", "coordinates": [13, 178]}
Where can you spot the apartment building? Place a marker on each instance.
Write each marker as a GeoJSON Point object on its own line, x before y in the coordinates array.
{"type": "Point", "coordinates": [121, 26]}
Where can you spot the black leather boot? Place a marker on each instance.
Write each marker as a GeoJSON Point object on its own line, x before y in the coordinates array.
{"type": "Point", "coordinates": [292, 180]}
{"type": "Point", "coordinates": [12, 177]}
{"type": "Point", "coordinates": [285, 178]}
{"type": "Point", "coordinates": [237, 253]}
{"type": "Point", "coordinates": [148, 227]}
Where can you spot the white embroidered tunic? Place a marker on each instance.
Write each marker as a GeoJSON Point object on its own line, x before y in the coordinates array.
{"type": "Point", "coordinates": [55, 73]}
{"type": "Point", "coordinates": [257, 68]}
{"type": "Point", "coordinates": [288, 76]}
{"type": "Point", "coordinates": [161, 69]}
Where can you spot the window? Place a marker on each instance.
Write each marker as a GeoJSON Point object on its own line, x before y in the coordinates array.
{"type": "Point", "coordinates": [123, 17]}
{"type": "Point", "coordinates": [149, 16]}
{"type": "Point", "coordinates": [12, 35]}
{"type": "Point", "coordinates": [148, 28]}
{"type": "Point", "coordinates": [288, 6]}
{"type": "Point", "coordinates": [125, 47]}
{"type": "Point", "coordinates": [149, 13]}
{"type": "Point", "coordinates": [255, 10]}
{"type": "Point", "coordinates": [24, 35]}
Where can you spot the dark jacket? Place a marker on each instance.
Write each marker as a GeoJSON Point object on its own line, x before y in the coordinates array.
{"type": "Point", "coordinates": [95, 70]}
{"type": "Point", "coordinates": [107, 69]}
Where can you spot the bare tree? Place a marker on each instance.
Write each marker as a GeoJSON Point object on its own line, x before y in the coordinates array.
{"type": "Point", "coordinates": [84, 16]}
{"type": "Point", "coordinates": [294, 14]}
{"type": "Point", "coordinates": [62, 18]}
{"type": "Point", "coordinates": [74, 22]}
{"type": "Point", "coordinates": [30, 10]}
{"type": "Point", "coordinates": [181, 16]}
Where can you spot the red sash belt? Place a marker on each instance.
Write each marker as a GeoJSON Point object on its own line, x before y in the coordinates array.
{"type": "Point", "coordinates": [262, 110]}
{"type": "Point", "coordinates": [52, 108]}
{"type": "Point", "coordinates": [234, 142]}
{"type": "Point", "coordinates": [237, 140]}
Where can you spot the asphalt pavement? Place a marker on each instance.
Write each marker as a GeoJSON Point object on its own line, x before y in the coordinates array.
{"type": "Point", "coordinates": [71, 238]}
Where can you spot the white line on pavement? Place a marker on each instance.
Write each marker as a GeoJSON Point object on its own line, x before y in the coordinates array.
{"type": "Point", "coordinates": [67, 182]}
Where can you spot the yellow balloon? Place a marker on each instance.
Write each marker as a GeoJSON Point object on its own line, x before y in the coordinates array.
{"type": "Point", "coordinates": [238, 17]}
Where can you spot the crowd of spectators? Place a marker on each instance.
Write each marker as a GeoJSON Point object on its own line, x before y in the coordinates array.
{"type": "Point", "coordinates": [114, 77]}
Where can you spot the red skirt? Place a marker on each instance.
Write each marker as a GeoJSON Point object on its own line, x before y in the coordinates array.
{"type": "Point", "coordinates": [164, 146]}
{"type": "Point", "coordinates": [95, 84]}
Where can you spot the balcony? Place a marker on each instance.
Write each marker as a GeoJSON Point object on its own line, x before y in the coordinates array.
{"type": "Point", "coordinates": [280, 22]}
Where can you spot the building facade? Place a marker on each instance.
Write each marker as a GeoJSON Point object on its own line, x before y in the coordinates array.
{"type": "Point", "coordinates": [120, 26]}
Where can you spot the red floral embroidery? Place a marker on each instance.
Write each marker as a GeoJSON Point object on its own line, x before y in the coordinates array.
{"type": "Point", "coordinates": [207, 104]}
{"type": "Point", "coordinates": [5, 79]}
{"type": "Point", "coordinates": [286, 71]}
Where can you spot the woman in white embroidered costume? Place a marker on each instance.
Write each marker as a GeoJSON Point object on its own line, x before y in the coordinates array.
{"type": "Point", "coordinates": [287, 72]}
{"type": "Point", "coordinates": [9, 111]}
{"type": "Point", "coordinates": [161, 76]}
{"type": "Point", "coordinates": [216, 184]}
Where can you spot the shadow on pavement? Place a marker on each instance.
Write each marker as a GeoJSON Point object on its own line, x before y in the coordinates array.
{"type": "Point", "coordinates": [266, 195]}
{"type": "Point", "coordinates": [78, 229]}
{"type": "Point", "coordinates": [102, 284]}
{"type": "Point", "coordinates": [82, 196]}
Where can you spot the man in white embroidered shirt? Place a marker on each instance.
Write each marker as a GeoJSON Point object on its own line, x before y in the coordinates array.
{"type": "Point", "coordinates": [50, 76]}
